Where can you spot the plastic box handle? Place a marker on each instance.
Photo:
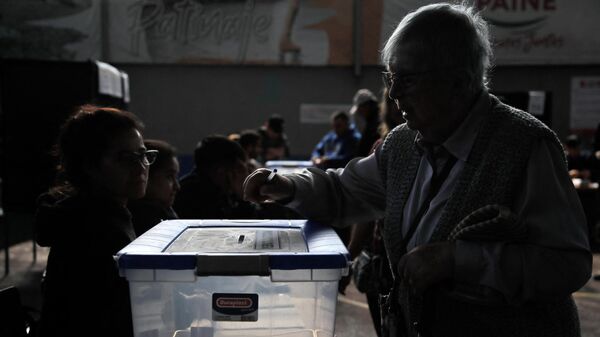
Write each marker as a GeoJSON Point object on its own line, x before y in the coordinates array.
{"type": "Point", "coordinates": [232, 265]}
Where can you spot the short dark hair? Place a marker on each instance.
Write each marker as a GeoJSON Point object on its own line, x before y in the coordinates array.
{"type": "Point", "coordinates": [275, 123]}
{"type": "Point", "coordinates": [217, 151]}
{"type": "Point", "coordinates": [340, 114]}
{"type": "Point", "coordinates": [86, 136]}
{"type": "Point", "coordinates": [249, 137]}
{"type": "Point", "coordinates": [165, 150]}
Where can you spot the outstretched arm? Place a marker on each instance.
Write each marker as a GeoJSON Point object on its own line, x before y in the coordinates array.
{"type": "Point", "coordinates": [340, 197]}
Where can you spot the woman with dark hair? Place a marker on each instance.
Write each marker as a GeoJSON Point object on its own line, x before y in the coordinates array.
{"type": "Point", "coordinates": [162, 187]}
{"type": "Point", "coordinates": [84, 219]}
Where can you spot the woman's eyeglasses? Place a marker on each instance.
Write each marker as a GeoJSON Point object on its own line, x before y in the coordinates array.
{"type": "Point", "coordinates": [146, 158]}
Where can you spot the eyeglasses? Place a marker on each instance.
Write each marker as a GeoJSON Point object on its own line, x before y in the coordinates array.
{"type": "Point", "coordinates": [408, 80]}
{"type": "Point", "coordinates": [146, 158]}
{"type": "Point", "coordinates": [403, 80]}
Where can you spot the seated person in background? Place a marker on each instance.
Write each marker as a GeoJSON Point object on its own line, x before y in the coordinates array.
{"type": "Point", "coordinates": [339, 145]}
{"type": "Point", "coordinates": [250, 142]}
{"type": "Point", "coordinates": [84, 219]}
{"type": "Point", "coordinates": [274, 142]}
{"type": "Point", "coordinates": [365, 113]}
{"type": "Point", "coordinates": [579, 163]}
{"type": "Point", "coordinates": [163, 184]}
{"type": "Point", "coordinates": [213, 190]}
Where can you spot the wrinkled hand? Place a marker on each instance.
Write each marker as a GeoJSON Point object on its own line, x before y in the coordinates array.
{"type": "Point", "coordinates": [427, 265]}
{"type": "Point", "coordinates": [258, 189]}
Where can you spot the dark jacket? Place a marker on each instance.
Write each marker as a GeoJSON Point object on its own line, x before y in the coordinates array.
{"type": "Point", "coordinates": [83, 293]}
{"type": "Point", "coordinates": [146, 213]}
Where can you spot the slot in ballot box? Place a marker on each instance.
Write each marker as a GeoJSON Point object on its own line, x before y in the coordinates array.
{"type": "Point", "coordinates": [209, 278]}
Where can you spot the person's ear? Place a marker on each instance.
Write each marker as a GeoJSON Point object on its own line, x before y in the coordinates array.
{"type": "Point", "coordinates": [216, 174]}
{"type": "Point", "coordinates": [223, 178]}
{"type": "Point", "coordinates": [92, 172]}
{"type": "Point", "coordinates": [230, 180]}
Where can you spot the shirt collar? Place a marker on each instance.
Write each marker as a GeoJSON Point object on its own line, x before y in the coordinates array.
{"type": "Point", "coordinates": [461, 141]}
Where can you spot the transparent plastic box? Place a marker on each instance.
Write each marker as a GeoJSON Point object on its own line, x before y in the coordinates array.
{"type": "Point", "coordinates": [212, 278]}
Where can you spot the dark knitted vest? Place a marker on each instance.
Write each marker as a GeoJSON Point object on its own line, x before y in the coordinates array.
{"type": "Point", "coordinates": [492, 174]}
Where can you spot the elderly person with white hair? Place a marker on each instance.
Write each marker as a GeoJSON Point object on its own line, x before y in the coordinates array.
{"type": "Point", "coordinates": [483, 228]}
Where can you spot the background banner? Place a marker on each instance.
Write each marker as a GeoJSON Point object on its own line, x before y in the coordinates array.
{"type": "Point", "coordinates": [277, 32]}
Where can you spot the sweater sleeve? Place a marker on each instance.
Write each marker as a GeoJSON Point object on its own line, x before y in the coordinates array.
{"type": "Point", "coordinates": [340, 197]}
{"type": "Point", "coordinates": [555, 260]}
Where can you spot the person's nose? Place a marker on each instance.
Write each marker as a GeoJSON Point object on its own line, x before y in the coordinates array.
{"type": "Point", "coordinates": [176, 185]}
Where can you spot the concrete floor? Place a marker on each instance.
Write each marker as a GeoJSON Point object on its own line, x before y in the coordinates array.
{"type": "Point", "coordinates": [352, 319]}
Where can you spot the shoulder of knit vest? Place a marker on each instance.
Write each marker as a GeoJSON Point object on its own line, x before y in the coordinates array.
{"type": "Point", "coordinates": [512, 120]}
{"type": "Point", "coordinates": [525, 123]}
{"type": "Point", "coordinates": [399, 138]}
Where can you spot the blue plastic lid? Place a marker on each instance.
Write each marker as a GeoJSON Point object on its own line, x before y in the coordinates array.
{"type": "Point", "coordinates": [288, 163]}
{"type": "Point", "coordinates": [282, 244]}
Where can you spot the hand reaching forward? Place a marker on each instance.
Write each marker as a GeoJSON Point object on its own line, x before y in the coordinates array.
{"type": "Point", "coordinates": [427, 265]}
{"type": "Point", "coordinates": [258, 188]}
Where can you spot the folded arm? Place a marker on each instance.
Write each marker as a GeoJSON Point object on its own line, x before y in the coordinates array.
{"type": "Point", "coordinates": [554, 261]}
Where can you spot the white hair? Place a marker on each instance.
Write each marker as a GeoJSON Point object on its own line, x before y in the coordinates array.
{"type": "Point", "coordinates": [446, 36]}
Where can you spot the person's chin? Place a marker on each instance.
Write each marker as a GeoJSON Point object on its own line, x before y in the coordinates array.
{"type": "Point", "coordinates": [138, 191]}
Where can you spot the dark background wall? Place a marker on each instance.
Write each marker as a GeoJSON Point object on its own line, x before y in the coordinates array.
{"type": "Point", "coordinates": [554, 79]}
{"type": "Point", "coordinates": [184, 103]}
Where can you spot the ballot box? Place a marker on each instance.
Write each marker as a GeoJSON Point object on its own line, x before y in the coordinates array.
{"type": "Point", "coordinates": [206, 278]}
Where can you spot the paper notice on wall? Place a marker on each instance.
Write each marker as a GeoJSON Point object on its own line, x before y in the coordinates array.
{"type": "Point", "coordinates": [537, 100]}
{"type": "Point", "coordinates": [109, 80]}
{"type": "Point", "coordinates": [585, 102]}
{"type": "Point", "coordinates": [320, 113]}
